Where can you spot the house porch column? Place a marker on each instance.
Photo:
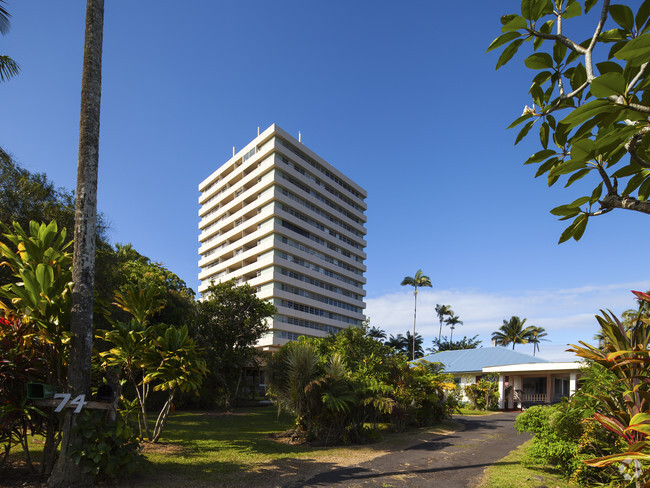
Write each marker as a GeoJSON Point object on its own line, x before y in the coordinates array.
{"type": "Point", "coordinates": [573, 383]}
{"type": "Point", "coordinates": [501, 392]}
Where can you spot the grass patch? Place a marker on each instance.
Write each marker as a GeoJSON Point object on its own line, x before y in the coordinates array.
{"type": "Point", "coordinates": [510, 472]}
{"type": "Point", "coordinates": [208, 449]}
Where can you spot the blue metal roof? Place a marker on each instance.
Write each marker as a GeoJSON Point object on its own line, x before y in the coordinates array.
{"type": "Point", "coordinates": [474, 360]}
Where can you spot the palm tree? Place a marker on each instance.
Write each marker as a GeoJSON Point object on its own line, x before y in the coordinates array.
{"type": "Point", "coordinates": [66, 472]}
{"type": "Point", "coordinates": [416, 281]}
{"type": "Point", "coordinates": [443, 311]}
{"type": "Point", "coordinates": [512, 331]}
{"type": "Point", "coordinates": [8, 67]}
{"type": "Point", "coordinates": [537, 335]}
{"type": "Point", "coordinates": [419, 352]}
{"type": "Point", "coordinates": [452, 322]}
{"type": "Point", "coordinates": [376, 333]}
{"type": "Point", "coordinates": [399, 343]}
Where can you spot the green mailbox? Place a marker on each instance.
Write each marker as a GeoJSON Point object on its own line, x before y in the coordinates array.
{"type": "Point", "coordinates": [40, 391]}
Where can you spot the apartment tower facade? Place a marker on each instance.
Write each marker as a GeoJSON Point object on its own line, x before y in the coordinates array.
{"type": "Point", "coordinates": [282, 219]}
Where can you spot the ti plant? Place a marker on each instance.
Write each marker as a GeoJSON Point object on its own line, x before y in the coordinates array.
{"type": "Point", "coordinates": [590, 100]}
{"type": "Point", "coordinates": [626, 353]}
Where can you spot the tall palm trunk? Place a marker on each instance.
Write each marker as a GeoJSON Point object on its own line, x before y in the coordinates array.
{"type": "Point", "coordinates": [415, 309]}
{"type": "Point", "coordinates": [66, 473]}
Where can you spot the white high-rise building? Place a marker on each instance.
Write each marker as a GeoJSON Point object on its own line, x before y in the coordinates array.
{"type": "Point", "coordinates": [282, 219]}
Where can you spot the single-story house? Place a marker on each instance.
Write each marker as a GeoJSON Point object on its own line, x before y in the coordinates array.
{"type": "Point", "coordinates": [534, 380]}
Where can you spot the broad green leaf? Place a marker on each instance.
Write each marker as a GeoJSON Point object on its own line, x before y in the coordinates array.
{"type": "Point", "coordinates": [580, 226]}
{"type": "Point", "coordinates": [502, 39]}
{"type": "Point", "coordinates": [546, 28]}
{"type": "Point", "coordinates": [573, 9]}
{"type": "Point", "coordinates": [607, 85]}
{"type": "Point", "coordinates": [537, 94]}
{"type": "Point", "coordinates": [585, 112]}
{"type": "Point", "coordinates": [539, 61]}
{"type": "Point", "coordinates": [623, 16]}
{"type": "Point", "coordinates": [565, 211]}
{"type": "Point", "coordinates": [636, 51]}
{"type": "Point", "coordinates": [543, 135]}
{"type": "Point", "coordinates": [567, 167]}
{"type": "Point", "coordinates": [561, 133]}
{"type": "Point", "coordinates": [595, 195]}
{"type": "Point", "coordinates": [509, 52]}
{"type": "Point", "coordinates": [541, 77]}
{"type": "Point", "coordinates": [551, 121]}
{"type": "Point", "coordinates": [568, 232]}
{"type": "Point", "coordinates": [559, 51]}
{"type": "Point", "coordinates": [519, 120]}
{"type": "Point", "coordinates": [534, 9]}
{"type": "Point", "coordinates": [577, 176]}
{"type": "Point", "coordinates": [547, 166]}
{"type": "Point", "coordinates": [589, 4]}
{"type": "Point", "coordinates": [635, 182]}
{"type": "Point", "coordinates": [642, 14]}
{"type": "Point", "coordinates": [578, 76]}
{"type": "Point", "coordinates": [582, 150]}
{"type": "Point", "coordinates": [540, 156]}
{"type": "Point", "coordinates": [524, 131]}
{"type": "Point", "coordinates": [578, 202]}
{"type": "Point", "coordinates": [612, 35]}
{"type": "Point", "coordinates": [608, 67]}
{"type": "Point", "coordinates": [616, 47]}
{"type": "Point", "coordinates": [515, 22]}
{"type": "Point", "coordinates": [644, 190]}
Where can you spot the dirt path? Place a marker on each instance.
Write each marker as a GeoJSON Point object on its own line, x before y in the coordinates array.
{"type": "Point", "coordinates": [456, 460]}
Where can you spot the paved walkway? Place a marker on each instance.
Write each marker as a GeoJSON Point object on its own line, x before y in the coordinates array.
{"type": "Point", "coordinates": [450, 461]}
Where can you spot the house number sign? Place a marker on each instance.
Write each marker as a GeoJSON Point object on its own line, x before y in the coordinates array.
{"type": "Point", "coordinates": [78, 402]}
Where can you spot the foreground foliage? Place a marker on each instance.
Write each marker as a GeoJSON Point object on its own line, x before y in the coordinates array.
{"type": "Point", "coordinates": [590, 100]}
{"type": "Point", "coordinates": [600, 434]}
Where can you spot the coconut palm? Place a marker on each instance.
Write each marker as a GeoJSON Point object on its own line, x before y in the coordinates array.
{"type": "Point", "coordinates": [452, 322]}
{"type": "Point", "coordinates": [512, 332]}
{"type": "Point", "coordinates": [537, 335]}
{"type": "Point", "coordinates": [8, 67]}
{"type": "Point", "coordinates": [416, 281]}
{"type": "Point", "coordinates": [443, 311]}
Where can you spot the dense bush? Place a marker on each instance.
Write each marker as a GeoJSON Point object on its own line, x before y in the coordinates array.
{"type": "Point", "coordinates": [111, 450]}
{"type": "Point", "coordinates": [484, 394]}
{"type": "Point", "coordinates": [565, 437]}
{"type": "Point", "coordinates": [339, 386]}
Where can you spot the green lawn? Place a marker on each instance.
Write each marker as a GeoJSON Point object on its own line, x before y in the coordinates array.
{"type": "Point", "coordinates": [203, 449]}
{"type": "Point", "coordinates": [509, 472]}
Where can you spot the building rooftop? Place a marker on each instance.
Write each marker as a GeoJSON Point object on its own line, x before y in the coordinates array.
{"type": "Point", "coordinates": [474, 360]}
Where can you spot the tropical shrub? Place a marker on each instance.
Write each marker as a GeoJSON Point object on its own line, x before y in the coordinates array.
{"type": "Point", "coordinates": [152, 357]}
{"type": "Point", "coordinates": [484, 394]}
{"type": "Point", "coordinates": [340, 385]}
{"type": "Point", "coordinates": [37, 305]}
{"type": "Point", "coordinates": [111, 449]}
{"type": "Point", "coordinates": [625, 352]}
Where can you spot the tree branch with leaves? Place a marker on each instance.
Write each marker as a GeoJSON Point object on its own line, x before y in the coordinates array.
{"type": "Point", "coordinates": [591, 103]}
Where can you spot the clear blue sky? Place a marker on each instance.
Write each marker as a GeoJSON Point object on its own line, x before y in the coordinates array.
{"type": "Point", "coordinates": [400, 96]}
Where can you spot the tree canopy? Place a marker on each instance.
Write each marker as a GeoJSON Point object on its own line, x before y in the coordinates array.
{"type": "Point", "coordinates": [230, 320]}
{"type": "Point", "coordinates": [512, 332]}
{"type": "Point", "coordinates": [590, 101]}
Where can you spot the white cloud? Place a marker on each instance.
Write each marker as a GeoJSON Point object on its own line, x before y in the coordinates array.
{"type": "Point", "coordinates": [566, 314]}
